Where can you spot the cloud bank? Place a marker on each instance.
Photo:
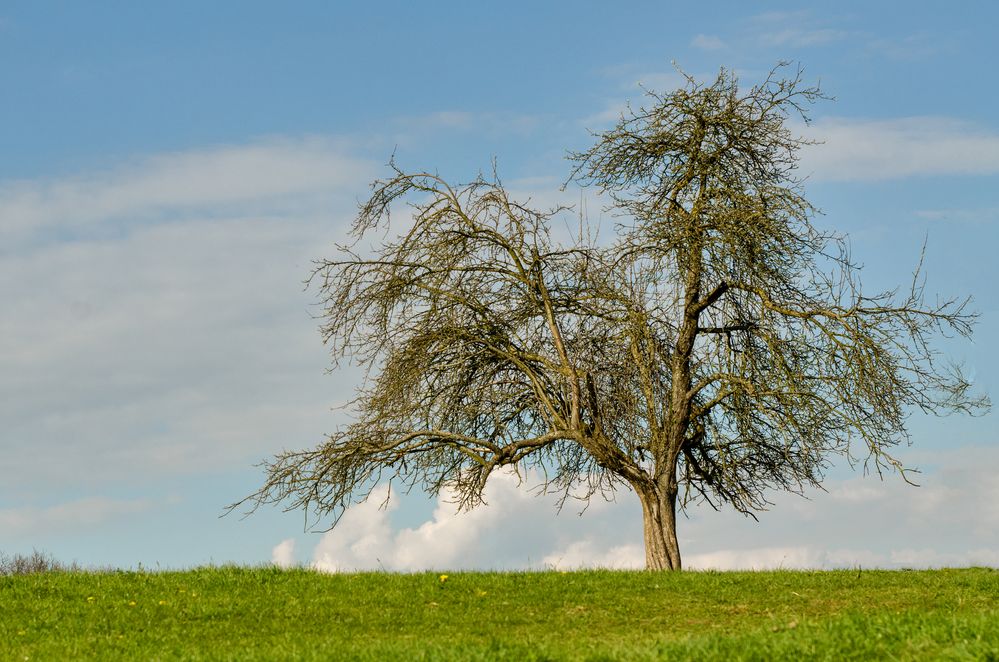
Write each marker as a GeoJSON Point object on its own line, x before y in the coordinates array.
{"type": "Point", "coordinates": [858, 522]}
{"type": "Point", "coordinates": [154, 320]}
{"type": "Point", "coordinates": [515, 530]}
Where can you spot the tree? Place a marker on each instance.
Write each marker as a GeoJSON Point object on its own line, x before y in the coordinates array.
{"type": "Point", "coordinates": [722, 347]}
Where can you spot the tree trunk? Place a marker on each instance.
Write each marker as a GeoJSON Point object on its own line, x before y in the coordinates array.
{"type": "Point", "coordinates": [662, 551]}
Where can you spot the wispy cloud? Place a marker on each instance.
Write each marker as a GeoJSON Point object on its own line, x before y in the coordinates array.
{"type": "Point", "coordinates": [907, 47]}
{"type": "Point", "coordinates": [853, 149]}
{"type": "Point", "coordinates": [796, 29]}
{"type": "Point", "coordinates": [707, 42]}
{"type": "Point", "coordinates": [871, 150]}
{"type": "Point", "coordinates": [799, 37]}
{"type": "Point", "coordinates": [634, 82]}
{"type": "Point", "coordinates": [256, 178]}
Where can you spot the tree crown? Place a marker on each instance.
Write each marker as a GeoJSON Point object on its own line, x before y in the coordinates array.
{"type": "Point", "coordinates": [721, 347]}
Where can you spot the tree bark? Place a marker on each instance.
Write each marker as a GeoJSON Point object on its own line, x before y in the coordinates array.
{"type": "Point", "coordinates": [662, 551]}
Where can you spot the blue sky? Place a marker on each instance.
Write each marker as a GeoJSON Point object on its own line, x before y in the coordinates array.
{"type": "Point", "coordinates": [171, 169]}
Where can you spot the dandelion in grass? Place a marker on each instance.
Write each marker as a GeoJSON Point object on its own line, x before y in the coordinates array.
{"type": "Point", "coordinates": [131, 603]}
{"type": "Point", "coordinates": [162, 602]}
{"type": "Point", "coordinates": [443, 578]}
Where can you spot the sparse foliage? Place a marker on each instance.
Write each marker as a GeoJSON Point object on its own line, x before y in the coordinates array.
{"type": "Point", "coordinates": [31, 564]}
{"type": "Point", "coordinates": [722, 347]}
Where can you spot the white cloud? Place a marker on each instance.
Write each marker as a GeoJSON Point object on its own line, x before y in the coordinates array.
{"type": "Point", "coordinates": [767, 558]}
{"type": "Point", "coordinates": [517, 529]}
{"type": "Point", "coordinates": [179, 346]}
{"type": "Point", "coordinates": [872, 150]}
{"type": "Point", "coordinates": [858, 490]}
{"type": "Point", "coordinates": [707, 42]}
{"type": "Point", "coordinates": [360, 540]}
{"type": "Point", "coordinates": [634, 82]}
{"type": "Point", "coordinates": [283, 554]}
{"type": "Point", "coordinates": [800, 37]}
{"type": "Point", "coordinates": [860, 522]}
{"type": "Point", "coordinates": [796, 29]}
{"type": "Point", "coordinates": [928, 557]}
{"type": "Point", "coordinates": [254, 178]}
{"type": "Point", "coordinates": [591, 553]}
{"type": "Point", "coordinates": [605, 118]}
{"type": "Point", "coordinates": [159, 327]}
{"type": "Point", "coordinates": [154, 320]}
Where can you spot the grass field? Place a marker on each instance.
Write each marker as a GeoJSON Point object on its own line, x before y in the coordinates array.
{"type": "Point", "coordinates": [231, 613]}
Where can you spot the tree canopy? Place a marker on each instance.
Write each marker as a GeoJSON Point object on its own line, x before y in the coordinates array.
{"type": "Point", "coordinates": [720, 347]}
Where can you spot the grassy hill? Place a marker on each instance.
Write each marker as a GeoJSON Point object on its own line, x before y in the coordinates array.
{"type": "Point", "coordinates": [232, 613]}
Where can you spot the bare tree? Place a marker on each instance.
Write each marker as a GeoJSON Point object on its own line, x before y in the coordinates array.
{"type": "Point", "coordinates": [721, 348]}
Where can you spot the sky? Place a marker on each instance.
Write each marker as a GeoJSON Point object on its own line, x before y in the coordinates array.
{"type": "Point", "coordinates": [171, 170]}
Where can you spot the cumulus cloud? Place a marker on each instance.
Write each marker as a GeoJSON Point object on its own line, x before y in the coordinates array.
{"type": "Point", "coordinates": [359, 540]}
{"type": "Point", "coordinates": [873, 150]}
{"type": "Point", "coordinates": [857, 522]}
{"type": "Point", "coordinates": [283, 554]}
{"type": "Point", "coordinates": [516, 529]}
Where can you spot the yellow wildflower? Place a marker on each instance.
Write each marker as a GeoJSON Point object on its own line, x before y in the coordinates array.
{"type": "Point", "coordinates": [443, 578]}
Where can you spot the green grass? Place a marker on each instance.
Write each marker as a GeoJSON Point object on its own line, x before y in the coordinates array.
{"type": "Point", "coordinates": [233, 613]}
